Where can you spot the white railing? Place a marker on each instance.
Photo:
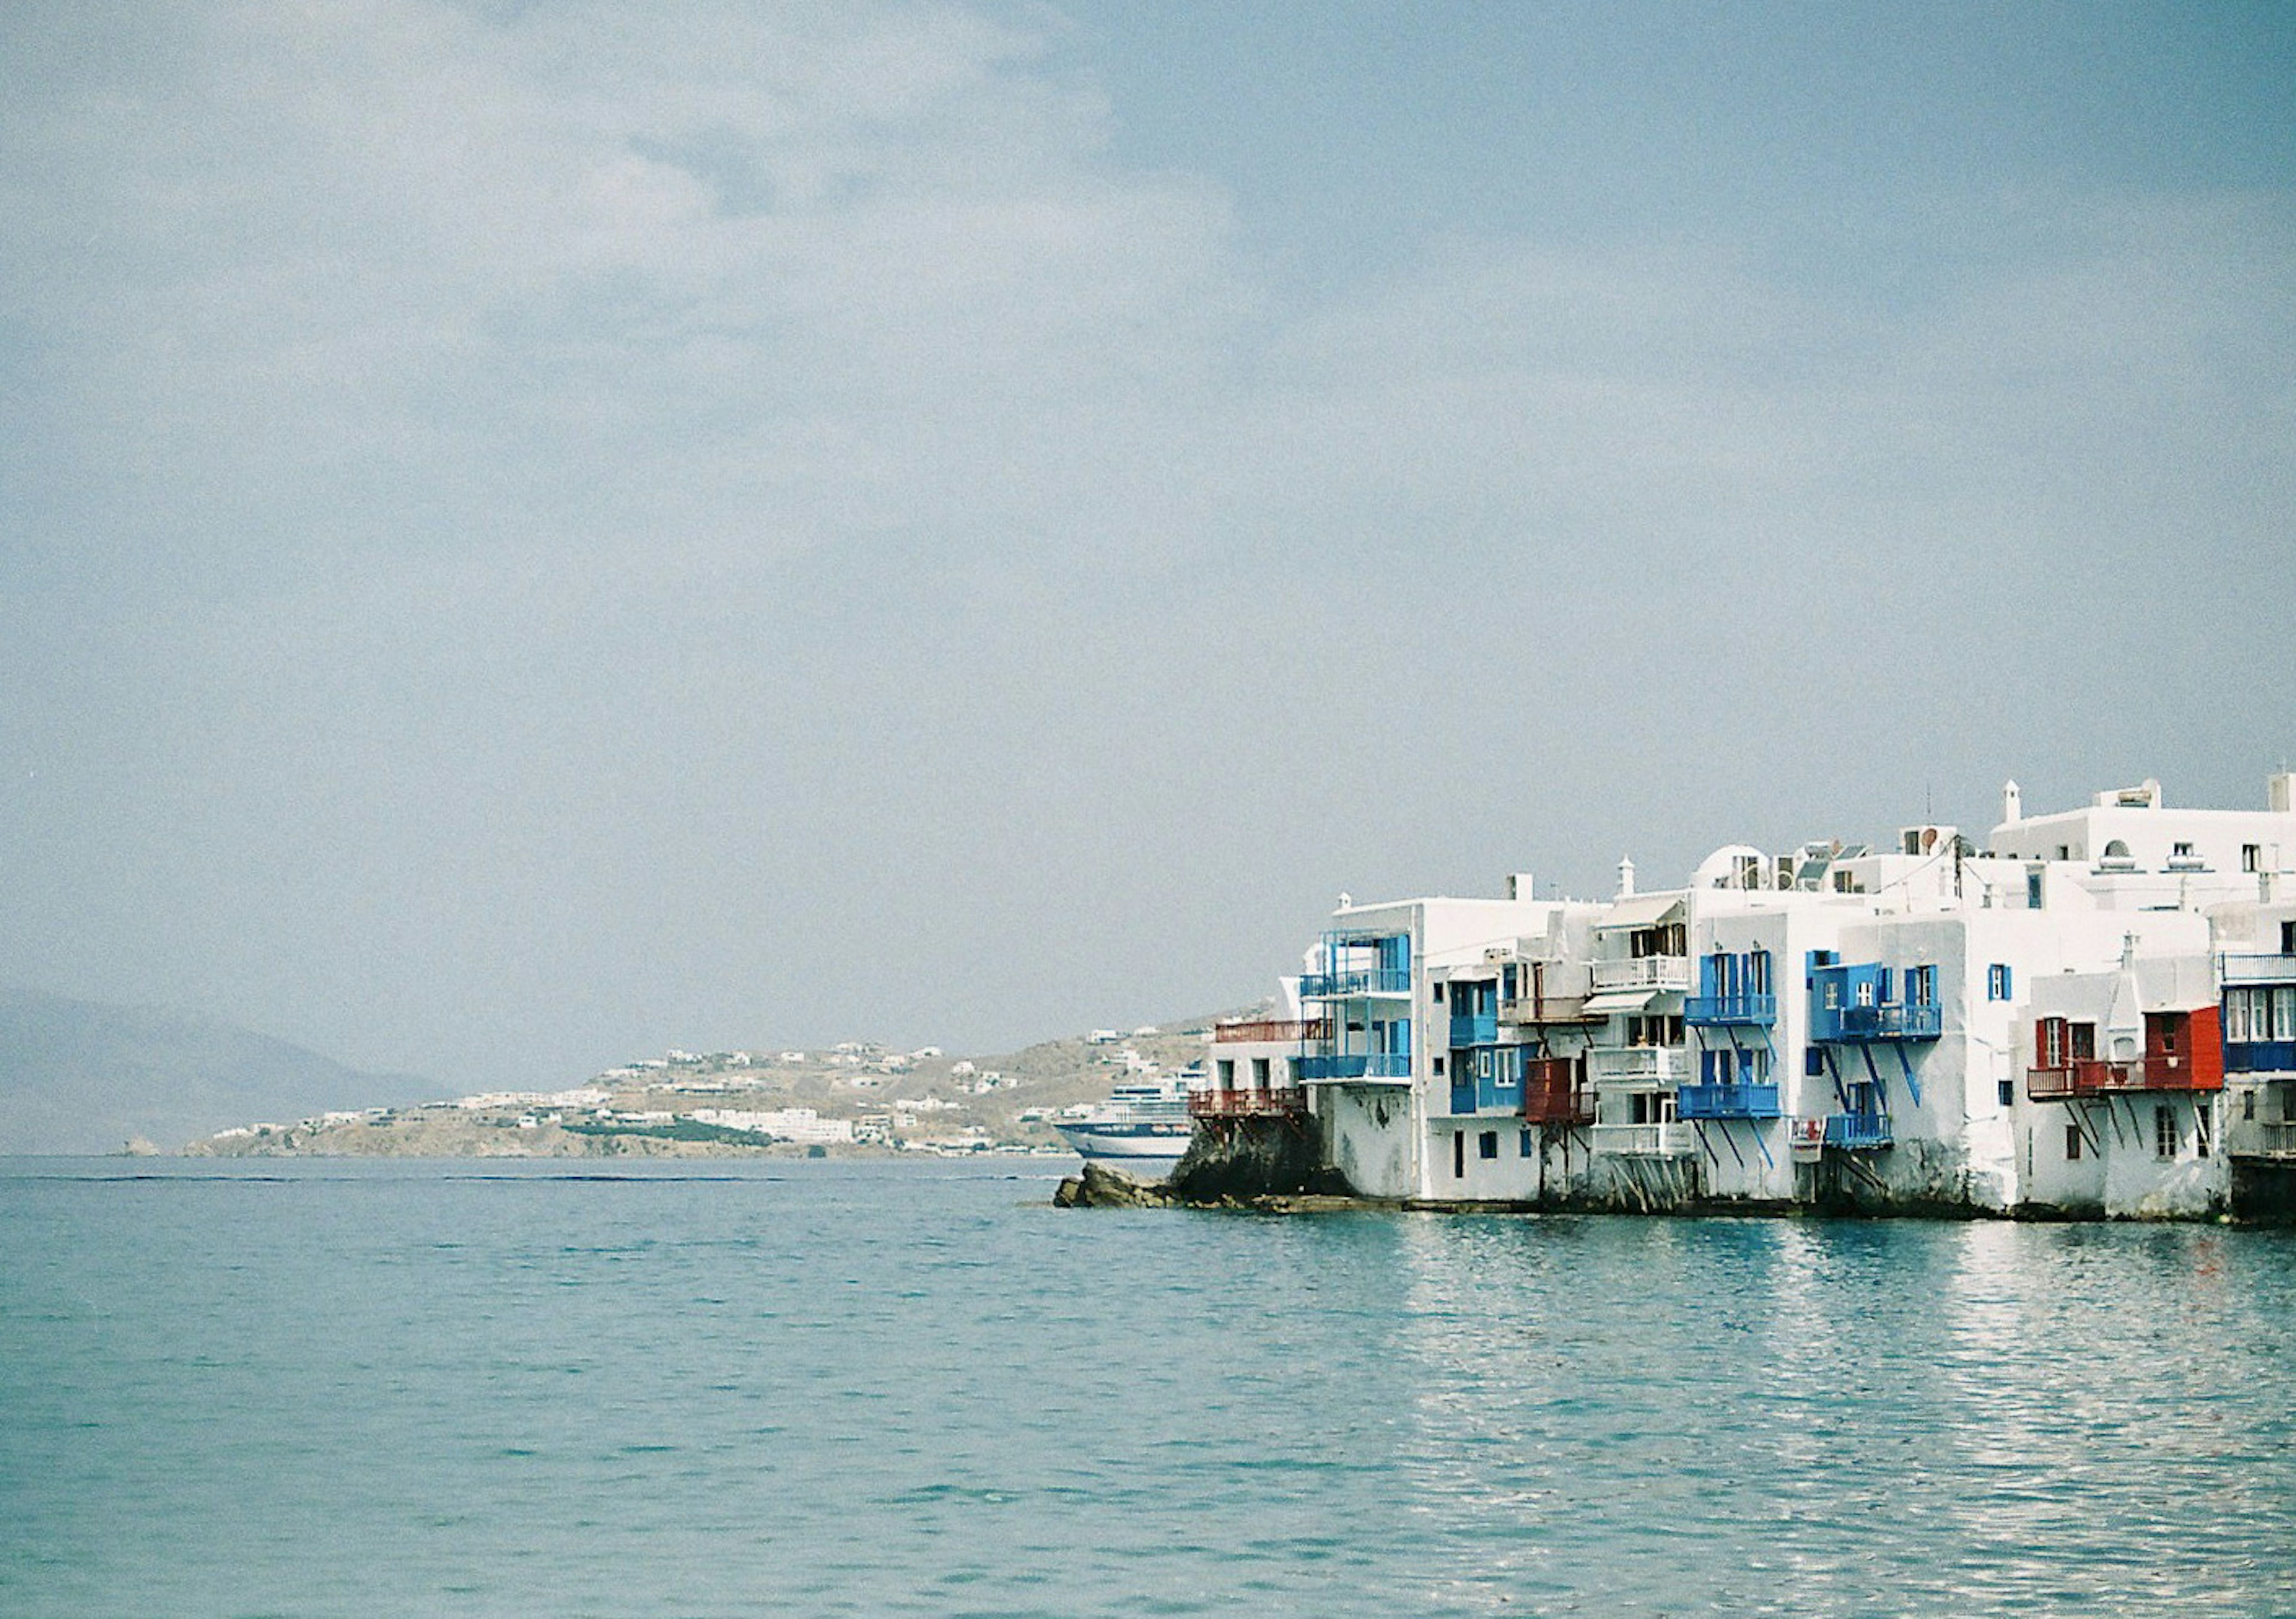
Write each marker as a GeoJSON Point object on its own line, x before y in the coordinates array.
{"type": "Point", "coordinates": [1641, 1065]}
{"type": "Point", "coordinates": [1643, 972]}
{"type": "Point", "coordinates": [1670, 1140]}
{"type": "Point", "coordinates": [2262, 1138]}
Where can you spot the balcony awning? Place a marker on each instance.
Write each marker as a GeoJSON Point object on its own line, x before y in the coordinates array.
{"type": "Point", "coordinates": [1618, 1001]}
{"type": "Point", "coordinates": [1641, 910]}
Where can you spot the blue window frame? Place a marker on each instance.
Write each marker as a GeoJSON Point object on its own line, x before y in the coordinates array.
{"type": "Point", "coordinates": [1997, 982]}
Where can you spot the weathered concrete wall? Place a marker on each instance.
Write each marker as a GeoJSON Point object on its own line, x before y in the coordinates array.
{"type": "Point", "coordinates": [1367, 1137]}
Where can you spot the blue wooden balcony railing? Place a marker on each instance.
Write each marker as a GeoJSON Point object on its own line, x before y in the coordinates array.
{"type": "Point", "coordinates": [1857, 1132]}
{"type": "Point", "coordinates": [1358, 1065]}
{"type": "Point", "coordinates": [1360, 981]}
{"type": "Point", "coordinates": [1726, 1101]}
{"type": "Point", "coordinates": [1710, 1011]}
{"type": "Point", "coordinates": [1854, 1025]}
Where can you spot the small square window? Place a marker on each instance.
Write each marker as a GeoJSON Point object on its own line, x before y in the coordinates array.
{"type": "Point", "coordinates": [1439, 1067]}
{"type": "Point", "coordinates": [1439, 994]}
{"type": "Point", "coordinates": [1487, 1144]}
{"type": "Point", "coordinates": [2006, 1090]}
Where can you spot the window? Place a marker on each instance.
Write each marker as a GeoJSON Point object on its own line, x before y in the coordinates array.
{"type": "Point", "coordinates": [1526, 1144]}
{"type": "Point", "coordinates": [1997, 981]}
{"type": "Point", "coordinates": [1813, 1062]}
{"type": "Point", "coordinates": [1921, 985]}
{"type": "Point", "coordinates": [1866, 991]}
{"type": "Point", "coordinates": [1293, 1065]}
{"type": "Point", "coordinates": [1438, 992]}
{"type": "Point", "coordinates": [2251, 856]}
{"type": "Point", "coordinates": [2204, 1119]}
{"type": "Point", "coordinates": [2248, 1104]}
{"type": "Point", "coordinates": [2032, 890]}
{"type": "Point", "coordinates": [2288, 938]}
{"type": "Point", "coordinates": [1260, 1073]}
{"type": "Point", "coordinates": [2005, 1092]}
{"type": "Point", "coordinates": [2180, 851]}
{"type": "Point", "coordinates": [2049, 1042]}
{"type": "Point", "coordinates": [2116, 850]}
{"type": "Point", "coordinates": [2164, 1132]}
{"type": "Point", "coordinates": [1227, 1073]}
{"type": "Point", "coordinates": [1458, 1155]}
{"type": "Point", "coordinates": [1487, 1145]}
{"type": "Point", "coordinates": [2073, 1143]}
{"type": "Point", "coordinates": [2083, 1041]}
{"type": "Point", "coordinates": [1439, 1067]}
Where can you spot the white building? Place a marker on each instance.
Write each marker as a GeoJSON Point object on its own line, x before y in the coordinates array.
{"type": "Point", "coordinates": [1834, 1026]}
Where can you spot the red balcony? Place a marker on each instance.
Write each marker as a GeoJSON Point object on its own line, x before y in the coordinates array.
{"type": "Point", "coordinates": [1554, 1093]}
{"type": "Point", "coordinates": [1274, 1028]}
{"type": "Point", "coordinates": [1286, 1103]}
{"type": "Point", "coordinates": [2098, 1077]}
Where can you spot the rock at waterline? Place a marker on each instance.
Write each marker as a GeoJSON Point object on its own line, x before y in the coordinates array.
{"type": "Point", "coordinates": [1099, 1187]}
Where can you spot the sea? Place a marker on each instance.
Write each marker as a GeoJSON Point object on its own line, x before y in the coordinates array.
{"type": "Point", "coordinates": [341, 1387]}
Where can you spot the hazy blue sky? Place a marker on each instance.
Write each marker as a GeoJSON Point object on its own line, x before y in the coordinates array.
{"type": "Point", "coordinates": [533, 533]}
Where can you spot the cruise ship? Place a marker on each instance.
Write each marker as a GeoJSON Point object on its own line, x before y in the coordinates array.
{"type": "Point", "coordinates": [1143, 1127]}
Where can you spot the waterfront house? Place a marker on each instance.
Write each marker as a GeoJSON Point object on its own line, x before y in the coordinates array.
{"type": "Point", "coordinates": [1837, 1025]}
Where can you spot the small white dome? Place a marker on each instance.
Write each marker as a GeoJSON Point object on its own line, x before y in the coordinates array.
{"type": "Point", "coordinates": [1726, 867]}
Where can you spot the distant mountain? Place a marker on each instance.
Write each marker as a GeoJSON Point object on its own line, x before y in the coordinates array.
{"type": "Point", "coordinates": [80, 1077]}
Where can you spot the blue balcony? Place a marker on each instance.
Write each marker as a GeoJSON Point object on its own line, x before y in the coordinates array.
{"type": "Point", "coordinates": [1727, 1102]}
{"type": "Point", "coordinates": [1857, 1025]}
{"type": "Point", "coordinates": [1718, 1011]}
{"type": "Point", "coordinates": [1857, 1132]}
{"type": "Point", "coordinates": [1356, 1065]}
{"type": "Point", "coordinates": [1486, 1096]}
{"type": "Point", "coordinates": [1474, 1028]}
{"type": "Point", "coordinates": [2259, 1055]}
{"type": "Point", "coordinates": [1363, 981]}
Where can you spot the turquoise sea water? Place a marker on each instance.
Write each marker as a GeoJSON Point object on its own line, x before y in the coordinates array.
{"type": "Point", "coordinates": [346, 1388]}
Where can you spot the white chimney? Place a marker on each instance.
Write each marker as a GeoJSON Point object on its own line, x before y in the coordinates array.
{"type": "Point", "coordinates": [2280, 791]}
{"type": "Point", "coordinates": [2012, 804]}
{"type": "Point", "coordinates": [1626, 876]}
{"type": "Point", "coordinates": [1520, 887]}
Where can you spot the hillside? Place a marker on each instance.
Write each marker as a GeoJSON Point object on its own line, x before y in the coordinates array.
{"type": "Point", "coordinates": [855, 1097]}
{"type": "Point", "coordinates": [81, 1076]}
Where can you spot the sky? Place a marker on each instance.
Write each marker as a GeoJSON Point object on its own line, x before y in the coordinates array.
{"type": "Point", "coordinates": [531, 534]}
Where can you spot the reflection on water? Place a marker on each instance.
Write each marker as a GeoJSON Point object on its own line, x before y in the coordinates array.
{"type": "Point", "coordinates": [842, 1389]}
{"type": "Point", "coordinates": [1809, 1416]}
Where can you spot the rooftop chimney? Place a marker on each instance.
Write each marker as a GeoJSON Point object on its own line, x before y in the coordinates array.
{"type": "Point", "coordinates": [2012, 804]}
{"type": "Point", "coordinates": [1626, 876]}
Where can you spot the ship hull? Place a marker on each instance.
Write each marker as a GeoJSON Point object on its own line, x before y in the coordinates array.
{"type": "Point", "coordinates": [1159, 1144]}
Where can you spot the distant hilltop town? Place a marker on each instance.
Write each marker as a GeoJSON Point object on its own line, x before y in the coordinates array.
{"type": "Point", "coordinates": [855, 1097]}
{"type": "Point", "coordinates": [2093, 1014]}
